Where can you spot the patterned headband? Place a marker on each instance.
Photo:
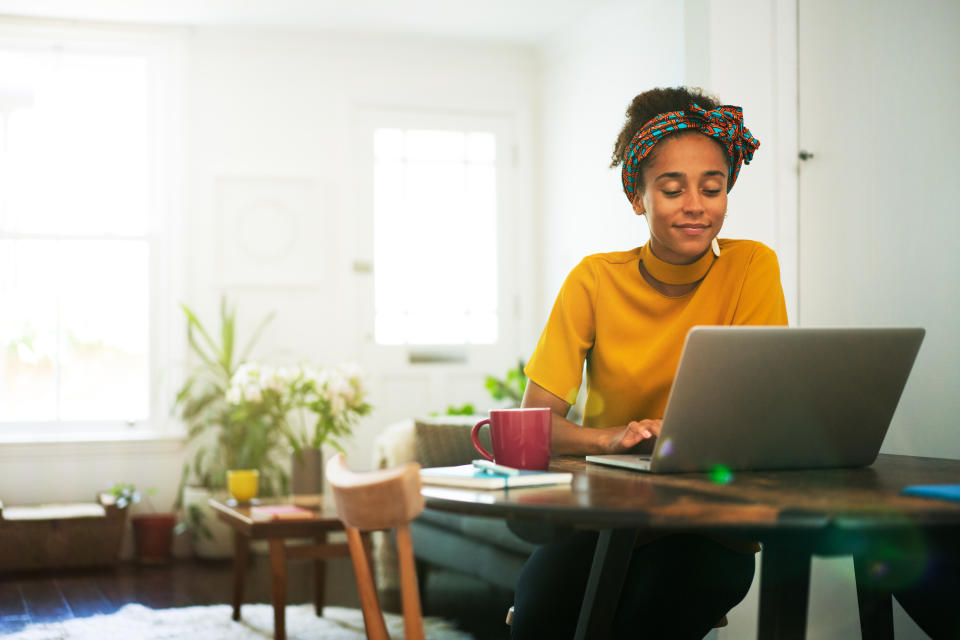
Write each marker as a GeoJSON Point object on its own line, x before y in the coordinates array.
{"type": "Point", "coordinates": [725, 124]}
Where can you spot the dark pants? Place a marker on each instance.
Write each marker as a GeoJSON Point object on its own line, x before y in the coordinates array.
{"type": "Point", "coordinates": [676, 587]}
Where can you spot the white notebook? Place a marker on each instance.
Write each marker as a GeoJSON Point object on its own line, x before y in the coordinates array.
{"type": "Point", "coordinates": [468, 476]}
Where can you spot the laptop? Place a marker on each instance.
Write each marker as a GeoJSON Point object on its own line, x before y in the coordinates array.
{"type": "Point", "coordinates": [756, 398]}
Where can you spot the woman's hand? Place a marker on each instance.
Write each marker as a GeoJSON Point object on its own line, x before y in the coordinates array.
{"type": "Point", "coordinates": [621, 439]}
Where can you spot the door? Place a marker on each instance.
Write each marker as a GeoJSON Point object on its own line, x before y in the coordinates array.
{"type": "Point", "coordinates": [435, 266]}
{"type": "Point", "coordinates": [879, 221]}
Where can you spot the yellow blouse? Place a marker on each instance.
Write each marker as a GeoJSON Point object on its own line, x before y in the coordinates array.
{"type": "Point", "coordinates": [631, 335]}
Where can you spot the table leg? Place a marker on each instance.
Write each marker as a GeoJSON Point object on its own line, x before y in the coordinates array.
{"type": "Point", "coordinates": [319, 576]}
{"type": "Point", "coordinates": [609, 569]}
{"type": "Point", "coordinates": [876, 605]}
{"type": "Point", "coordinates": [241, 547]}
{"type": "Point", "coordinates": [278, 586]}
{"type": "Point", "coordinates": [784, 592]}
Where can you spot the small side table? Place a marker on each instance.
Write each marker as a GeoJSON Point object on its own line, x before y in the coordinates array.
{"type": "Point", "coordinates": [245, 528]}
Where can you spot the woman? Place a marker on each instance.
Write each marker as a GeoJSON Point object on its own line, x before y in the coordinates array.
{"type": "Point", "coordinates": [626, 314]}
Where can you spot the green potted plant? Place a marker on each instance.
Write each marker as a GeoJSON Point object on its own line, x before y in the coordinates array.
{"type": "Point", "coordinates": [509, 388]}
{"type": "Point", "coordinates": [224, 436]}
{"type": "Point", "coordinates": [152, 530]}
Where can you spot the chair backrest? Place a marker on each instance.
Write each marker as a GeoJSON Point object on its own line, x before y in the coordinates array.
{"type": "Point", "coordinates": [374, 501]}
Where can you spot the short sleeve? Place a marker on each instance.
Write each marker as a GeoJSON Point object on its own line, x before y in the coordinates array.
{"type": "Point", "coordinates": [761, 297]}
{"type": "Point", "coordinates": [557, 362]}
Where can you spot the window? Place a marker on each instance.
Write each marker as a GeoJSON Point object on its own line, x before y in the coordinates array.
{"type": "Point", "coordinates": [78, 236]}
{"type": "Point", "coordinates": [435, 237]}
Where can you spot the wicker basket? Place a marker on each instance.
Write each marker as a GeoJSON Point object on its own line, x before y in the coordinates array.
{"type": "Point", "coordinates": [61, 535]}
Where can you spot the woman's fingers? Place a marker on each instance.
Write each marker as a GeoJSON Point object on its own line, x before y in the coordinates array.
{"type": "Point", "coordinates": [635, 432]}
{"type": "Point", "coordinates": [647, 428]}
{"type": "Point", "coordinates": [654, 426]}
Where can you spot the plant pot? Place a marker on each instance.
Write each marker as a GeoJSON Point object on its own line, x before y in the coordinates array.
{"type": "Point", "coordinates": [153, 537]}
{"type": "Point", "coordinates": [307, 477]}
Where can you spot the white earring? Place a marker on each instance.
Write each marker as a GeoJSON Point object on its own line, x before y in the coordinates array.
{"type": "Point", "coordinates": [716, 247]}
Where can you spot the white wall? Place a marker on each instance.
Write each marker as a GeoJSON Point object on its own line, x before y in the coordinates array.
{"type": "Point", "coordinates": [280, 106]}
{"type": "Point", "coordinates": [591, 72]}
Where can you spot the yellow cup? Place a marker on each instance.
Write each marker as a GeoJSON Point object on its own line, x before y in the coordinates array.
{"type": "Point", "coordinates": [243, 483]}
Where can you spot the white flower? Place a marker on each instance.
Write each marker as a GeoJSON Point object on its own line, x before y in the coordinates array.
{"type": "Point", "coordinates": [252, 393]}
{"type": "Point", "coordinates": [337, 405]}
{"type": "Point", "coordinates": [340, 389]}
{"type": "Point", "coordinates": [234, 394]}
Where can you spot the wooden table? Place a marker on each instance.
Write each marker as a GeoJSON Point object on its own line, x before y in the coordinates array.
{"type": "Point", "coordinates": [245, 528]}
{"type": "Point", "coordinates": [793, 514]}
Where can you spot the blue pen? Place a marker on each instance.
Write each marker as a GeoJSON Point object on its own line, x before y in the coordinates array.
{"type": "Point", "coordinates": [498, 469]}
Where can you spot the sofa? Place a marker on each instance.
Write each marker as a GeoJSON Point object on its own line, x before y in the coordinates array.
{"type": "Point", "coordinates": [485, 548]}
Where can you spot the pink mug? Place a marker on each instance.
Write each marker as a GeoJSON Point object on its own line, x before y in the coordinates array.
{"type": "Point", "coordinates": [520, 437]}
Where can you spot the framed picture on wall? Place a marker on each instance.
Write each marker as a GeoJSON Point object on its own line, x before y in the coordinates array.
{"type": "Point", "coordinates": [272, 231]}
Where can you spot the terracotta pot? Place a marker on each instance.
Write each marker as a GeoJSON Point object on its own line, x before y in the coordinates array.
{"type": "Point", "coordinates": [153, 537]}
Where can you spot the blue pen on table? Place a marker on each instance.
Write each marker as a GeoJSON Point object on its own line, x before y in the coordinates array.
{"type": "Point", "coordinates": [494, 468]}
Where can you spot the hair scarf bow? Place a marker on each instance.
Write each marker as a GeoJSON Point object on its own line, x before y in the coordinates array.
{"type": "Point", "coordinates": [724, 124]}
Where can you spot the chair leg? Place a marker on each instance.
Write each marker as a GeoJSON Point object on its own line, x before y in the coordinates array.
{"type": "Point", "coordinates": [369, 604]}
{"type": "Point", "coordinates": [409, 591]}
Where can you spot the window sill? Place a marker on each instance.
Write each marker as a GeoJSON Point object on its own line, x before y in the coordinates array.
{"type": "Point", "coordinates": [91, 443]}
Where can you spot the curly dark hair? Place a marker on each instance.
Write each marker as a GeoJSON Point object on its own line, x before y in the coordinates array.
{"type": "Point", "coordinates": [648, 105]}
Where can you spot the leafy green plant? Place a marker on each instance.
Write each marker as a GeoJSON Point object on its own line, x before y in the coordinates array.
{"type": "Point", "coordinates": [510, 387]}
{"type": "Point", "coordinates": [463, 410]}
{"type": "Point", "coordinates": [126, 494]}
{"type": "Point", "coordinates": [226, 437]}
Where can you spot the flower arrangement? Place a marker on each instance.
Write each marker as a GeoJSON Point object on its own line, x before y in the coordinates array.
{"type": "Point", "coordinates": [310, 406]}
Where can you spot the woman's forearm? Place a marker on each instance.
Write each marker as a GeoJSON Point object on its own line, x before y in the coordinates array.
{"type": "Point", "coordinates": [567, 438]}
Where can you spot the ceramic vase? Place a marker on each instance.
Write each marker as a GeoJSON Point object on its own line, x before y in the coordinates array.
{"type": "Point", "coordinates": [307, 477]}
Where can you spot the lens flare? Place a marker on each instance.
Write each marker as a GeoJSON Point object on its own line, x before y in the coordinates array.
{"type": "Point", "coordinates": [594, 406]}
{"type": "Point", "coordinates": [721, 474]}
{"type": "Point", "coordinates": [666, 448]}
{"type": "Point", "coordinates": [879, 569]}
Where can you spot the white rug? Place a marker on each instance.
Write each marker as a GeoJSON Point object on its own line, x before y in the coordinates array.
{"type": "Point", "coordinates": [136, 622]}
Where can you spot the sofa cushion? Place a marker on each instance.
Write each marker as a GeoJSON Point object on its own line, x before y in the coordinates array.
{"type": "Point", "coordinates": [445, 440]}
{"type": "Point", "coordinates": [489, 531]}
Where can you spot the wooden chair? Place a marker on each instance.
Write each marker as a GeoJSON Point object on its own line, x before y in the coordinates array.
{"type": "Point", "coordinates": [375, 501]}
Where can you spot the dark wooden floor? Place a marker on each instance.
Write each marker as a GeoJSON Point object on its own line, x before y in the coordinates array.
{"type": "Point", "coordinates": [47, 596]}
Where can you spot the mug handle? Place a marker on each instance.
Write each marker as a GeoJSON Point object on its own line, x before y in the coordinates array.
{"type": "Point", "coordinates": [476, 441]}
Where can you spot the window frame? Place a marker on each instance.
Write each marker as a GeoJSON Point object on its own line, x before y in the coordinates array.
{"type": "Point", "coordinates": [162, 49]}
